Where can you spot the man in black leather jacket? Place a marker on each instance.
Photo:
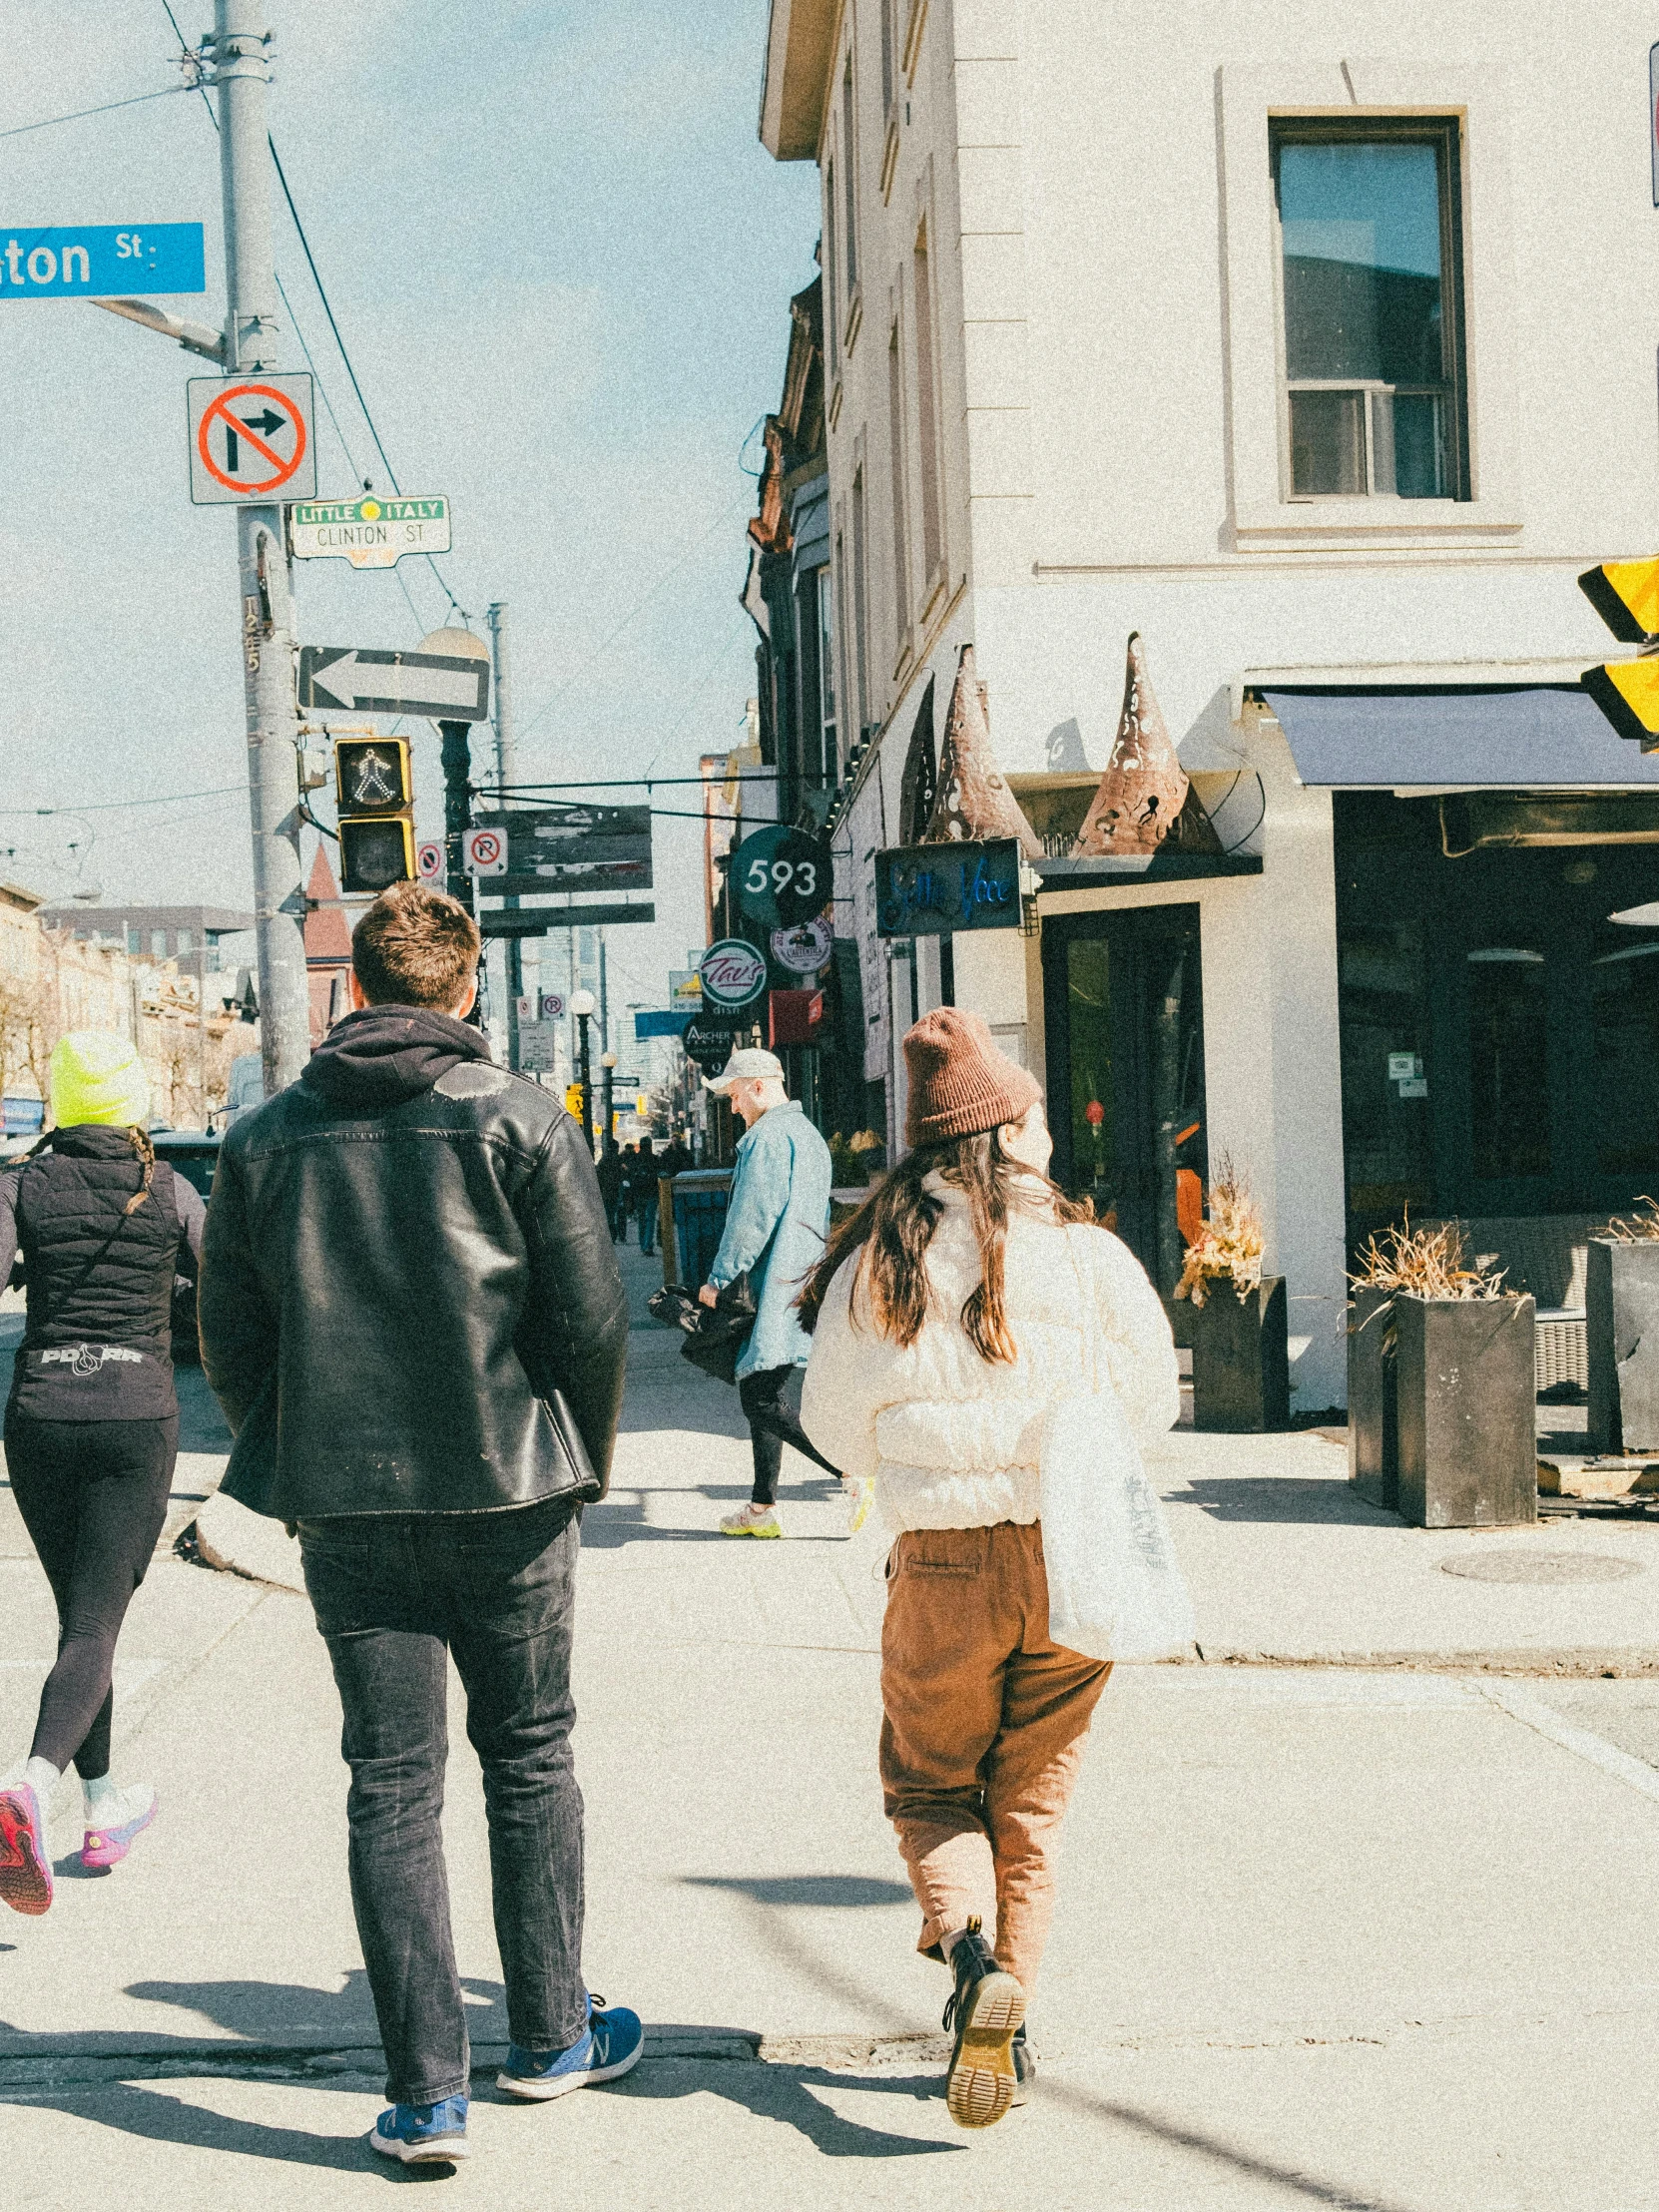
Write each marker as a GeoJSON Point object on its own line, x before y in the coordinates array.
{"type": "Point", "coordinates": [413, 1318]}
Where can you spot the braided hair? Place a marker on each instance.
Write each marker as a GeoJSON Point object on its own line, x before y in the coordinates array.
{"type": "Point", "coordinates": [139, 1139]}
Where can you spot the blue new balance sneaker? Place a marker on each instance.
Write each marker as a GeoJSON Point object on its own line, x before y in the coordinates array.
{"type": "Point", "coordinates": [419, 2134]}
{"type": "Point", "coordinates": [610, 2046]}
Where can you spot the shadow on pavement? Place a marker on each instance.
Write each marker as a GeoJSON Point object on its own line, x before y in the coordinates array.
{"type": "Point", "coordinates": [779, 2092]}
{"type": "Point", "coordinates": [806, 1889]}
{"type": "Point", "coordinates": [1295, 1497]}
{"type": "Point", "coordinates": [1300, 2185]}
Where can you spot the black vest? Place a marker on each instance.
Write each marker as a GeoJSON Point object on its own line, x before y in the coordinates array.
{"type": "Point", "coordinates": [95, 1343]}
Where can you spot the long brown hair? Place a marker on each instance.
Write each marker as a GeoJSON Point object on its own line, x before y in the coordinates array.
{"type": "Point", "coordinates": [896, 1224]}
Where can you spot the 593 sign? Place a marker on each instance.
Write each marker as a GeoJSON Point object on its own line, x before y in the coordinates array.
{"type": "Point", "coordinates": [782, 875]}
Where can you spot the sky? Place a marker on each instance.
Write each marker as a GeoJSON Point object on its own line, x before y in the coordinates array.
{"type": "Point", "coordinates": [561, 262]}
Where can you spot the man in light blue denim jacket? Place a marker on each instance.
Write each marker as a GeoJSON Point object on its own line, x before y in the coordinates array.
{"type": "Point", "coordinates": [774, 1231]}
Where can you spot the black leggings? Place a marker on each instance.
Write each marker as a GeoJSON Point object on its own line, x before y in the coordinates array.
{"type": "Point", "coordinates": [771, 1425]}
{"type": "Point", "coordinates": [93, 1495]}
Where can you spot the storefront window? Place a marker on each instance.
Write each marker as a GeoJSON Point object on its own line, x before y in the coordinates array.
{"type": "Point", "coordinates": [1382, 981]}
{"type": "Point", "coordinates": [1624, 1079]}
{"type": "Point", "coordinates": [1508, 989]}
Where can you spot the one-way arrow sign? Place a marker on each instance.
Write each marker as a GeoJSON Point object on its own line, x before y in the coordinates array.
{"type": "Point", "coordinates": [346, 679]}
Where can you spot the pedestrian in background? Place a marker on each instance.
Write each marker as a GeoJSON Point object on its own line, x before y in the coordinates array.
{"type": "Point", "coordinates": [414, 1320]}
{"type": "Point", "coordinates": [613, 1189]}
{"type": "Point", "coordinates": [92, 1423]}
{"type": "Point", "coordinates": [775, 1225]}
{"type": "Point", "coordinates": [953, 1310]}
{"type": "Point", "coordinates": [643, 1193]}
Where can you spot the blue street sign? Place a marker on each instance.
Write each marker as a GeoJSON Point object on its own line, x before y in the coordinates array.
{"type": "Point", "coordinates": [660, 1024]}
{"type": "Point", "coordinates": [98, 261]}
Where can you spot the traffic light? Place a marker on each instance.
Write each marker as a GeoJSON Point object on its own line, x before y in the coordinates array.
{"type": "Point", "coordinates": [375, 791]}
{"type": "Point", "coordinates": [573, 1100]}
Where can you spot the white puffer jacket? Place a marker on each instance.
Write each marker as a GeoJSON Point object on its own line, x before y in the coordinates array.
{"type": "Point", "coordinates": [952, 1438]}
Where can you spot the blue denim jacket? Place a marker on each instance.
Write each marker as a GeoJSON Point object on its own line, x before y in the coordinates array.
{"type": "Point", "coordinates": [775, 1227]}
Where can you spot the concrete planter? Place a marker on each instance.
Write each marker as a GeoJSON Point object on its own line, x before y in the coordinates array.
{"type": "Point", "coordinates": [1241, 1362]}
{"type": "Point", "coordinates": [1464, 1386]}
{"type": "Point", "coordinates": [1621, 1303]}
{"type": "Point", "coordinates": [1372, 1404]}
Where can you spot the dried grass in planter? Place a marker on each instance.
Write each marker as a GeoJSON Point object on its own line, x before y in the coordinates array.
{"type": "Point", "coordinates": [1229, 1247]}
{"type": "Point", "coordinates": [1637, 1228]}
{"type": "Point", "coordinates": [1426, 1263]}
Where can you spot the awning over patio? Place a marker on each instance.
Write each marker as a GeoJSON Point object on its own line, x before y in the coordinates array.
{"type": "Point", "coordinates": [1531, 737]}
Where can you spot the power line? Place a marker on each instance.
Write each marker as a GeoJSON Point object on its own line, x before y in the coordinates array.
{"type": "Point", "coordinates": [50, 121]}
{"type": "Point", "coordinates": [105, 806]}
{"type": "Point", "coordinates": [316, 279]}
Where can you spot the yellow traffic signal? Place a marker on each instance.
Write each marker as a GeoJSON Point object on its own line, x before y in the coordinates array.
{"type": "Point", "coordinates": [374, 787]}
{"type": "Point", "coordinates": [1626, 596]}
{"type": "Point", "coordinates": [1627, 692]}
{"type": "Point", "coordinates": [573, 1101]}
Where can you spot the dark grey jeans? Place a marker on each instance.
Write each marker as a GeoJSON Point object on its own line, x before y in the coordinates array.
{"type": "Point", "coordinates": [393, 1594]}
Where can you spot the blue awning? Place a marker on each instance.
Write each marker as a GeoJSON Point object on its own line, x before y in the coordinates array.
{"type": "Point", "coordinates": [1531, 737]}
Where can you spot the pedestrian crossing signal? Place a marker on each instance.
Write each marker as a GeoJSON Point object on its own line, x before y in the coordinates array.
{"type": "Point", "coordinates": [1626, 596]}
{"type": "Point", "coordinates": [1627, 692]}
{"type": "Point", "coordinates": [374, 787]}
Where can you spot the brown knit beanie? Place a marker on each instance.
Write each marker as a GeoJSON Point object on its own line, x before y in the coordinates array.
{"type": "Point", "coordinates": [960, 1082]}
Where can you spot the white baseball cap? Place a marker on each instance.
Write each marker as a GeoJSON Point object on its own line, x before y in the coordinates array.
{"type": "Point", "coordinates": [751, 1065]}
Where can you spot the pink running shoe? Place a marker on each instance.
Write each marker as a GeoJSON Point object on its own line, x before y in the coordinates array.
{"type": "Point", "coordinates": [107, 1847]}
{"type": "Point", "coordinates": [25, 1861]}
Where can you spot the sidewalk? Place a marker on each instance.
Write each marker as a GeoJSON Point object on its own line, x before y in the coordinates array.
{"type": "Point", "coordinates": [1375, 1938]}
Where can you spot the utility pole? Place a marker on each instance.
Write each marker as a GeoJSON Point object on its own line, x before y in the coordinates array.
{"type": "Point", "coordinates": [505, 767]}
{"type": "Point", "coordinates": [241, 73]}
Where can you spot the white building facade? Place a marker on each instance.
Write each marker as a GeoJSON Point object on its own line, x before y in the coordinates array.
{"type": "Point", "coordinates": [1312, 343]}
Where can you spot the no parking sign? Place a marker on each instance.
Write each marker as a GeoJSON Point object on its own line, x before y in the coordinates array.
{"type": "Point", "coordinates": [484, 852]}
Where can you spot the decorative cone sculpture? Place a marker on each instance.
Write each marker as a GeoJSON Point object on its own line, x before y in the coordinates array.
{"type": "Point", "coordinates": [973, 799]}
{"type": "Point", "coordinates": [1145, 786]}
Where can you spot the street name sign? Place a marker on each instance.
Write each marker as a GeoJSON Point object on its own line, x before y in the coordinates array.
{"type": "Point", "coordinates": [100, 261]}
{"type": "Point", "coordinates": [517, 921]}
{"type": "Point", "coordinates": [368, 532]}
{"type": "Point", "coordinates": [250, 440]}
{"type": "Point", "coordinates": [349, 678]}
{"type": "Point", "coordinates": [573, 846]}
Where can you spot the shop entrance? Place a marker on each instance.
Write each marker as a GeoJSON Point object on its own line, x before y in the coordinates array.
{"type": "Point", "coordinates": [1124, 1019]}
{"type": "Point", "coordinates": [1500, 1015]}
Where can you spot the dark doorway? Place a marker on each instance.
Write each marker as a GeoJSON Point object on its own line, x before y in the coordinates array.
{"type": "Point", "coordinates": [1124, 1018]}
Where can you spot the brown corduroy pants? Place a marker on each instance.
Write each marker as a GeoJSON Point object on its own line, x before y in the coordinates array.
{"type": "Point", "coordinates": [982, 1735]}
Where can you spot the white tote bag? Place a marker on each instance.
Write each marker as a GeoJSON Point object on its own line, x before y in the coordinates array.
{"type": "Point", "coordinates": [1115, 1586]}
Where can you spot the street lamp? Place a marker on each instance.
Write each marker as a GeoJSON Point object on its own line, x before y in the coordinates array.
{"type": "Point", "coordinates": [607, 1061]}
{"type": "Point", "coordinates": [581, 1005]}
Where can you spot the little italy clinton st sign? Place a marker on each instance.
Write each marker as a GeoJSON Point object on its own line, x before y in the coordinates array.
{"type": "Point", "coordinates": [370, 532]}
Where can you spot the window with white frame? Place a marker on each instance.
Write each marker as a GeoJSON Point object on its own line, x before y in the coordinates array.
{"type": "Point", "coordinates": [849, 178]}
{"type": "Point", "coordinates": [831, 293]}
{"type": "Point", "coordinates": [1374, 396]}
{"type": "Point", "coordinates": [928, 431]}
{"type": "Point", "coordinates": [826, 670]}
{"type": "Point", "coordinates": [860, 604]}
{"type": "Point", "coordinates": [895, 464]}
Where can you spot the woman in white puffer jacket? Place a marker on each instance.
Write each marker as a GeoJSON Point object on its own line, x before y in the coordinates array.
{"type": "Point", "coordinates": [965, 1298]}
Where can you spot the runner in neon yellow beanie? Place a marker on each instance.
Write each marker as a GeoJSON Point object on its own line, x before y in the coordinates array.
{"type": "Point", "coordinates": [97, 1077]}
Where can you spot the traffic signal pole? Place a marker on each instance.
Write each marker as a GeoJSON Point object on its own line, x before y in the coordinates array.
{"type": "Point", "coordinates": [505, 769]}
{"type": "Point", "coordinates": [241, 74]}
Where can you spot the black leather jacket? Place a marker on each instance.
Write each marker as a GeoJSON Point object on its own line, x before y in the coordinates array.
{"type": "Point", "coordinates": [406, 1256]}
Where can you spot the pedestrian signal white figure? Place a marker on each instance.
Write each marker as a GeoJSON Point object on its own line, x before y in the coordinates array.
{"type": "Point", "coordinates": [92, 1423]}
{"type": "Point", "coordinates": [964, 1305]}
